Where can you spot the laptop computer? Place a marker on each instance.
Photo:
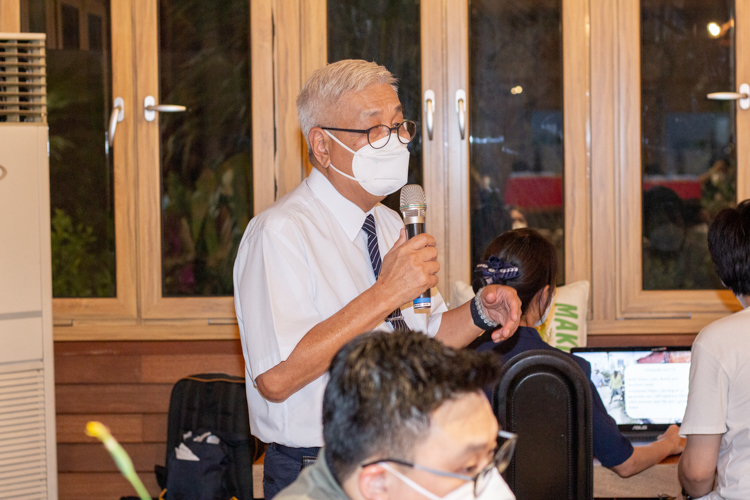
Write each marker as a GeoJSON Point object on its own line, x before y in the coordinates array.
{"type": "Point", "coordinates": [644, 389]}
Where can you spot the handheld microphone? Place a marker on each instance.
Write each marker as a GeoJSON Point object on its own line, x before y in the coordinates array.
{"type": "Point", "coordinates": [414, 209]}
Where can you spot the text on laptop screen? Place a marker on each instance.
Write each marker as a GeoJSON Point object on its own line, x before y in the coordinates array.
{"type": "Point", "coordinates": [641, 387]}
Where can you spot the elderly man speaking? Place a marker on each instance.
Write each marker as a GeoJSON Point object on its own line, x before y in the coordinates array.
{"type": "Point", "coordinates": [309, 275]}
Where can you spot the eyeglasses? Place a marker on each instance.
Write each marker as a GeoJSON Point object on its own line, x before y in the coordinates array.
{"type": "Point", "coordinates": [406, 131]}
{"type": "Point", "coordinates": [506, 445]}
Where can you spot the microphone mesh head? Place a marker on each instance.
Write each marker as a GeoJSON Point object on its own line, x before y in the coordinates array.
{"type": "Point", "coordinates": [412, 194]}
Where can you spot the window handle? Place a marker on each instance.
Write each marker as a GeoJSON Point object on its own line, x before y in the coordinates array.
{"type": "Point", "coordinates": [118, 115]}
{"type": "Point", "coordinates": [461, 111]}
{"type": "Point", "coordinates": [3, 172]}
{"type": "Point", "coordinates": [743, 96]}
{"type": "Point", "coordinates": [429, 111]}
{"type": "Point", "coordinates": [150, 108]}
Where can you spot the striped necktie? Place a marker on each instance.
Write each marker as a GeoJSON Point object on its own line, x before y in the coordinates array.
{"type": "Point", "coordinates": [395, 318]}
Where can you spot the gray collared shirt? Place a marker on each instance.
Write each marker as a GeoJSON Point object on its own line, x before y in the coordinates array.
{"type": "Point", "coordinates": [314, 483]}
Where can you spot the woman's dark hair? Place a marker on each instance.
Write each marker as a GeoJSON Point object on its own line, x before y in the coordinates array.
{"type": "Point", "coordinates": [532, 254]}
{"type": "Point", "coordinates": [729, 244]}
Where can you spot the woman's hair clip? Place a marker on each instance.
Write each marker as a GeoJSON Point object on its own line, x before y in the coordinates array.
{"type": "Point", "coordinates": [495, 269]}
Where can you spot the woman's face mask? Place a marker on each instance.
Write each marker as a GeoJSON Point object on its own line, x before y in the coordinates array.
{"type": "Point", "coordinates": [382, 171]}
{"type": "Point", "coordinates": [546, 311]}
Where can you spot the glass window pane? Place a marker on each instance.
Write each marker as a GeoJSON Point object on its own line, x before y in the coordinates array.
{"type": "Point", "coordinates": [516, 121]}
{"type": "Point", "coordinates": [387, 32]}
{"type": "Point", "coordinates": [206, 152]}
{"type": "Point", "coordinates": [79, 101]}
{"type": "Point", "coordinates": [688, 149]}
{"type": "Point", "coordinates": [95, 32]}
{"type": "Point", "coordinates": [37, 22]}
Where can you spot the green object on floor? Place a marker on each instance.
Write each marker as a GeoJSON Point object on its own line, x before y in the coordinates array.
{"type": "Point", "coordinates": [119, 455]}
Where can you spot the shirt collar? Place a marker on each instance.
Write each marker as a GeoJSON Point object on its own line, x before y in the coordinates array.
{"type": "Point", "coordinates": [325, 479]}
{"type": "Point", "coordinates": [529, 333]}
{"type": "Point", "coordinates": [349, 215]}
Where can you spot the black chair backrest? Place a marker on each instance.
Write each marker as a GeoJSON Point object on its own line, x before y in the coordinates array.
{"type": "Point", "coordinates": [545, 398]}
{"type": "Point", "coordinates": [215, 402]}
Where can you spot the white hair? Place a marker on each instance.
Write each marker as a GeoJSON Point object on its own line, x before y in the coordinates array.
{"type": "Point", "coordinates": [330, 83]}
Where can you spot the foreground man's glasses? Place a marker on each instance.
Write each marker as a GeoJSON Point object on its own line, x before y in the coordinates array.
{"type": "Point", "coordinates": [506, 445]}
{"type": "Point", "coordinates": [406, 131]}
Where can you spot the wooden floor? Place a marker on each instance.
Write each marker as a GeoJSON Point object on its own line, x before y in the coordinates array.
{"type": "Point", "coordinates": [125, 385]}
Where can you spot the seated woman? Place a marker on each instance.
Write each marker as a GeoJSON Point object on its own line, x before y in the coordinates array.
{"type": "Point", "coordinates": [526, 261]}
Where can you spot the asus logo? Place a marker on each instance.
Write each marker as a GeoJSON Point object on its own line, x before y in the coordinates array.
{"type": "Point", "coordinates": [640, 427]}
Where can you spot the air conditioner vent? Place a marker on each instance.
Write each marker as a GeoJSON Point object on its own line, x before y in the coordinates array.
{"type": "Point", "coordinates": [23, 80]}
{"type": "Point", "coordinates": [23, 451]}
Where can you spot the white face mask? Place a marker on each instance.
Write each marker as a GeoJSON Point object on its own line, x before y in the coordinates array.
{"type": "Point", "coordinates": [496, 489]}
{"type": "Point", "coordinates": [743, 300]}
{"type": "Point", "coordinates": [546, 312]}
{"type": "Point", "coordinates": [379, 171]}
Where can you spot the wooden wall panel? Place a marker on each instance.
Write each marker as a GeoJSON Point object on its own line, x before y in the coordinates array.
{"type": "Point", "coordinates": [113, 398]}
{"type": "Point", "coordinates": [165, 368]}
{"type": "Point", "coordinates": [96, 369]}
{"type": "Point", "coordinates": [127, 386]}
{"type": "Point", "coordinates": [93, 457]}
{"type": "Point", "coordinates": [127, 428]}
{"type": "Point", "coordinates": [154, 427]}
{"type": "Point", "coordinates": [135, 408]}
{"type": "Point", "coordinates": [101, 486]}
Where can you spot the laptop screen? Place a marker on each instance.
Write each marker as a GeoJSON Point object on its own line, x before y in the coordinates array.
{"type": "Point", "coordinates": [641, 386]}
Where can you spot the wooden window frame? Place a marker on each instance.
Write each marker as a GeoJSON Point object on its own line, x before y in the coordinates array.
{"type": "Point", "coordinates": [444, 41]}
{"type": "Point", "coordinates": [434, 151]}
{"type": "Point", "coordinates": [140, 312]}
{"type": "Point", "coordinates": [454, 239]}
{"type": "Point", "coordinates": [433, 16]}
{"type": "Point", "coordinates": [217, 311]}
{"type": "Point", "coordinates": [601, 69]}
{"type": "Point", "coordinates": [10, 16]}
{"type": "Point", "coordinates": [622, 306]}
{"type": "Point", "coordinates": [123, 306]}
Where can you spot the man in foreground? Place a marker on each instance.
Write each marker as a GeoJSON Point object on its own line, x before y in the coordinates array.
{"type": "Point", "coordinates": [327, 262]}
{"type": "Point", "coordinates": [717, 418]}
{"type": "Point", "coordinates": [405, 417]}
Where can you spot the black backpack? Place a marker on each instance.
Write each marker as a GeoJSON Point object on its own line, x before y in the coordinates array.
{"type": "Point", "coordinates": [215, 403]}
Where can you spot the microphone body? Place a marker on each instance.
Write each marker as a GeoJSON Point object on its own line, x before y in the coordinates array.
{"type": "Point", "coordinates": [414, 210]}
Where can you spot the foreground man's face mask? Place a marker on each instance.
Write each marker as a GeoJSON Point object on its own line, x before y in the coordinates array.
{"type": "Point", "coordinates": [496, 488]}
{"type": "Point", "coordinates": [381, 171]}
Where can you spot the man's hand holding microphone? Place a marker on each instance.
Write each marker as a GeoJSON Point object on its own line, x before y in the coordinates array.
{"type": "Point", "coordinates": [410, 269]}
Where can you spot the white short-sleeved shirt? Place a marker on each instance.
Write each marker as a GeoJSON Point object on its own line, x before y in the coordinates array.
{"type": "Point", "coordinates": [300, 262]}
{"type": "Point", "coordinates": [719, 399]}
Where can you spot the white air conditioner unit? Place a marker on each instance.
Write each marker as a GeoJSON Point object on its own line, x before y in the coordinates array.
{"type": "Point", "coordinates": [28, 461]}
